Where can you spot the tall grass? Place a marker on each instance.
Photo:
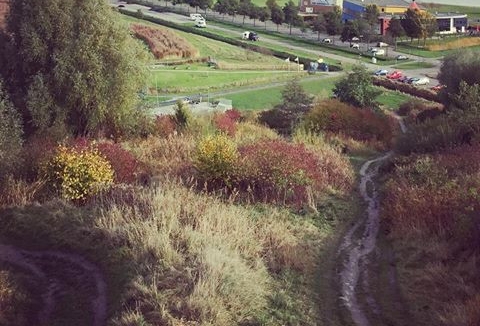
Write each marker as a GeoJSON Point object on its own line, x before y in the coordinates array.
{"type": "Point", "coordinates": [451, 44]}
{"type": "Point", "coordinates": [201, 262]}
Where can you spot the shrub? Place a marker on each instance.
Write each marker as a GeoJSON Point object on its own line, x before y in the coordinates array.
{"type": "Point", "coordinates": [125, 166]}
{"type": "Point", "coordinates": [334, 117]}
{"type": "Point", "coordinates": [277, 171]}
{"type": "Point", "coordinates": [215, 158]}
{"type": "Point", "coordinates": [248, 132]}
{"type": "Point", "coordinates": [183, 116]}
{"type": "Point", "coordinates": [227, 121]}
{"type": "Point", "coordinates": [164, 125]}
{"type": "Point", "coordinates": [15, 301]}
{"type": "Point", "coordinates": [78, 173]}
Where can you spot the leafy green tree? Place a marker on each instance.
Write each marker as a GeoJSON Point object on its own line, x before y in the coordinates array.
{"type": "Point", "coordinates": [462, 66]}
{"type": "Point", "coordinates": [71, 64]}
{"type": "Point", "coordinates": [264, 15]}
{"type": "Point", "coordinates": [254, 13]}
{"type": "Point", "coordinates": [277, 15]}
{"type": "Point", "coordinates": [370, 16]}
{"type": "Point", "coordinates": [244, 8]}
{"type": "Point", "coordinates": [10, 134]}
{"type": "Point", "coordinates": [395, 29]}
{"type": "Point", "coordinates": [411, 24]}
{"type": "Point", "coordinates": [290, 10]}
{"type": "Point", "coordinates": [294, 96]}
{"type": "Point", "coordinates": [349, 30]}
{"type": "Point", "coordinates": [333, 21]}
{"type": "Point", "coordinates": [356, 88]}
{"type": "Point", "coordinates": [318, 25]}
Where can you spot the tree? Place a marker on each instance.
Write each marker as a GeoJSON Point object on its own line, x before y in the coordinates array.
{"type": "Point", "coordinates": [69, 64]}
{"type": "Point", "coordinates": [371, 15]}
{"type": "Point", "coordinates": [428, 25]}
{"type": "Point", "coordinates": [264, 15]}
{"type": "Point", "coordinates": [460, 66]}
{"type": "Point", "coordinates": [395, 30]}
{"type": "Point", "coordinates": [286, 115]}
{"type": "Point", "coordinates": [254, 13]}
{"type": "Point", "coordinates": [356, 88]}
{"type": "Point", "coordinates": [290, 10]}
{"type": "Point", "coordinates": [278, 17]}
{"type": "Point", "coordinates": [10, 134]}
{"type": "Point", "coordinates": [349, 30]}
{"type": "Point", "coordinates": [333, 20]}
{"type": "Point", "coordinates": [411, 23]}
{"type": "Point", "coordinates": [318, 25]}
{"type": "Point", "coordinates": [244, 8]}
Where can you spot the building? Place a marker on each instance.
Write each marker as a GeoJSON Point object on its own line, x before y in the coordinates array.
{"type": "Point", "coordinates": [352, 9]}
{"type": "Point", "coordinates": [448, 23]}
{"type": "Point", "coordinates": [308, 9]}
{"type": "Point", "coordinates": [3, 12]}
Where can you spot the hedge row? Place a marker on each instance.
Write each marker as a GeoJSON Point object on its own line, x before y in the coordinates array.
{"type": "Point", "coordinates": [406, 88]}
{"type": "Point", "coordinates": [228, 40]}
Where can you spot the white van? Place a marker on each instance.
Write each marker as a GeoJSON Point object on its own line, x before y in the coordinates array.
{"type": "Point", "coordinates": [195, 16]}
{"type": "Point", "coordinates": [200, 23]}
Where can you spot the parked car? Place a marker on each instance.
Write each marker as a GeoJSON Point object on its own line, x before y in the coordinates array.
{"type": "Point", "coordinates": [382, 44]}
{"type": "Point", "coordinates": [355, 39]}
{"type": "Point", "coordinates": [253, 36]}
{"type": "Point", "coordinates": [412, 79]}
{"type": "Point", "coordinates": [421, 81]}
{"type": "Point", "coordinates": [355, 45]}
{"type": "Point", "coordinates": [195, 16]}
{"type": "Point", "coordinates": [379, 52]}
{"type": "Point", "coordinates": [401, 57]}
{"type": "Point", "coordinates": [327, 40]}
{"type": "Point", "coordinates": [381, 72]}
{"type": "Point", "coordinates": [403, 79]}
{"type": "Point", "coordinates": [395, 75]}
{"type": "Point", "coordinates": [201, 23]}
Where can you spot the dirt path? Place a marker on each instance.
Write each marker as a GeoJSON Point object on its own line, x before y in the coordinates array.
{"type": "Point", "coordinates": [35, 262]}
{"type": "Point", "coordinates": [357, 245]}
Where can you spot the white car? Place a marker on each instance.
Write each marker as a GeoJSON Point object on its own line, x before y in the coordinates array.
{"type": "Point", "coordinates": [327, 40]}
{"type": "Point", "coordinates": [355, 39]}
{"type": "Point", "coordinates": [355, 45]}
{"type": "Point", "coordinates": [377, 51]}
{"type": "Point", "coordinates": [196, 17]}
{"type": "Point", "coordinates": [421, 81]}
{"type": "Point", "coordinates": [200, 23]}
{"type": "Point", "coordinates": [382, 44]}
{"type": "Point", "coordinates": [381, 72]}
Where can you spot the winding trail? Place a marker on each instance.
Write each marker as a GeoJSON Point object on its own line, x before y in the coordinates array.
{"type": "Point", "coordinates": [34, 261]}
{"type": "Point", "coordinates": [359, 242]}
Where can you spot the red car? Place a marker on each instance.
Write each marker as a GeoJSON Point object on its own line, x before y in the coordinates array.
{"type": "Point", "coordinates": [395, 75]}
{"type": "Point", "coordinates": [437, 88]}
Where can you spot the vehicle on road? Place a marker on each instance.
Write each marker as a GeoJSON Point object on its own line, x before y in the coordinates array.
{"type": "Point", "coordinates": [355, 45]}
{"type": "Point", "coordinates": [401, 57]}
{"type": "Point", "coordinates": [355, 39]}
{"type": "Point", "coordinates": [421, 81]}
{"type": "Point", "coordinates": [382, 44]}
{"type": "Point", "coordinates": [252, 36]}
{"type": "Point", "coordinates": [196, 17]}
{"type": "Point", "coordinates": [397, 74]}
{"type": "Point", "coordinates": [378, 51]}
{"type": "Point", "coordinates": [411, 80]}
{"type": "Point", "coordinates": [381, 72]}
{"type": "Point", "coordinates": [201, 23]}
{"type": "Point", "coordinates": [437, 88]}
{"type": "Point", "coordinates": [327, 40]}
{"type": "Point", "coordinates": [403, 79]}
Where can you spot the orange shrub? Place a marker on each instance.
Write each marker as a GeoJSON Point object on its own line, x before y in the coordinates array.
{"type": "Point", "coordinates": [164, 43]}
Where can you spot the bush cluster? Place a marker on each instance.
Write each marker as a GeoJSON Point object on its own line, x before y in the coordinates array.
{"type": "Point", "coordinates": [164, 43]}
{"type": "Point", "coordinates": [227, 121]}
{"type": "Point", "coordinates": [164, 126]}
{"type": "Point", "coordinates": [78, 173]}
{"type": "Point", "coordinates": [426, 94]}
{"type": "Point", "coordinates": [334, 117]}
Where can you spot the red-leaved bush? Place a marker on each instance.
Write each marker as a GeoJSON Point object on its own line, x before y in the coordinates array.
{"type": "Point", "coordinates": [165, 125]}
{"type": "Point", "coordinates": [277, 171]}
{"type": "Point", "coordinates": [437, 194]}
{"type": "Point", "coordinates": [227, 121]}
{"type": "Point", "coordinates": [125, 166]}
{"type": "Point", "coordinates": [335, 117]}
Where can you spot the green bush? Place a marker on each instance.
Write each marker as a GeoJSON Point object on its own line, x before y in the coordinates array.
{"type": "Point", "coordinates": [78, 173]}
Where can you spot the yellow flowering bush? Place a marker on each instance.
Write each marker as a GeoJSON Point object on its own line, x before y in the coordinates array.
{"type": "Point", "coordinates": [78, 173]}
{"type": "Point", "coordinates": [216, 157]}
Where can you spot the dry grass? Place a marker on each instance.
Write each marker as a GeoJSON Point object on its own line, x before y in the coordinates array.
{"type": "Point", "coordinates": [203, 262]}
{"type": "Point", "coordinates": [458, 43]}
{"type": "Point", "coordinates": [164, 43]}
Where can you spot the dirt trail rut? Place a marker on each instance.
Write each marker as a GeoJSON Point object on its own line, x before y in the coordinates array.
{"type": "Point", "coordinates": [34, 263]}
